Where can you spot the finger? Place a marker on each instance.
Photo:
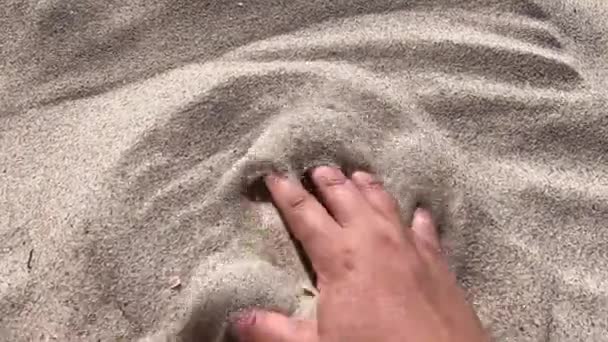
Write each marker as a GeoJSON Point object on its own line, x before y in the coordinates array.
{"type": "Point", "coordinates": [264, 326]}
{"type": "Point", "coordinates": [341, 197]}
{"type": "Point", "coordinates": [375, 194]}
{"type": "Point", "coordinates": [425, 230]}
{"type": "Point", "coordinates": [306, 218]}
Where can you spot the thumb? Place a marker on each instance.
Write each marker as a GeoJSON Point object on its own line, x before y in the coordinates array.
{"type": "Point", "coordinates": [425, 229]}
{"type": "Point", "coordinates": [265, 326]}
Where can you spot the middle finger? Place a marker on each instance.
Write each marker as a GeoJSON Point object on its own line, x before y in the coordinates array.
{"type": "Point", "coordinates": [341, 197]}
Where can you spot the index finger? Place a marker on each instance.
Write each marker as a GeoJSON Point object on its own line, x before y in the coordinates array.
{"type": "Point", "coordinates": [306, 218]}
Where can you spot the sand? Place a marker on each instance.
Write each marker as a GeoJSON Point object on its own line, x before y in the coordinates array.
{"type": "Point", "coordinates": [133, 135]}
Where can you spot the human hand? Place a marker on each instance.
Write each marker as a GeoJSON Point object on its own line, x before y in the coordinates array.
{"type": "Point", "coordinates": [377, 281]}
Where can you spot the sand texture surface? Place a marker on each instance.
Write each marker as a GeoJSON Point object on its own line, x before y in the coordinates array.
{"type": "Point", "coordinates": [133, 134]}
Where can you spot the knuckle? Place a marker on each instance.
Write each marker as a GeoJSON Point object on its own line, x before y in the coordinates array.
{"type": "Point", "coordinates": [347, 257]}
{"type": "Point", "coordinates": [388, 238]}
{"type": "Point", "coordinates": [426, 245]}
{"type": "Point", "coordinates": [298, 202]}
{"type": "Point", "coordinates": [390, 207]}
{"type": "Point", "coordinates": [347, 251]}
{"type": "Point", "coordinates": [416, 265]}
{"type": "Point", "coordinates": [392, 203]}
{"type": "Point", "coordinates": [373, 185]}
{"type": "Point", "coordinates": [309, 235]}
{"type": "Point", "coordinates": [306, 235]}
{"type": "Point", "coordinates": [376, 188]}
{"type": "Point", "coordinates": [429, 250]}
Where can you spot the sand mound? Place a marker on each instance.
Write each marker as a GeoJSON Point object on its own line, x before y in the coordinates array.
{"type": "Point", "coordinates": [133, 137]}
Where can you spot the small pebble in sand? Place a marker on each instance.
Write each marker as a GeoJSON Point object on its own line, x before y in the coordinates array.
{"type": "Point", "coordinates": [176, 283]}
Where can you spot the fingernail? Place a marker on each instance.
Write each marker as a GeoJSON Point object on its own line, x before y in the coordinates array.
{"type": "Point", "coordinates": [423, 214]}
{"type": "Point", "coordinates": [329, 174]}
{"type": "Point", "coordinates": [243, 318]}
{"type": "Point", "coordinates": [276, 176]}
{"type": "Point", "coordinates": [365, 177]}
{"type": "Point", "coordinates": [240, 321]}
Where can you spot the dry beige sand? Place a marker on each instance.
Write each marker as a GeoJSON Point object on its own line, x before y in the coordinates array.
{"type": "Point", "coordinates": [133, 133]}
